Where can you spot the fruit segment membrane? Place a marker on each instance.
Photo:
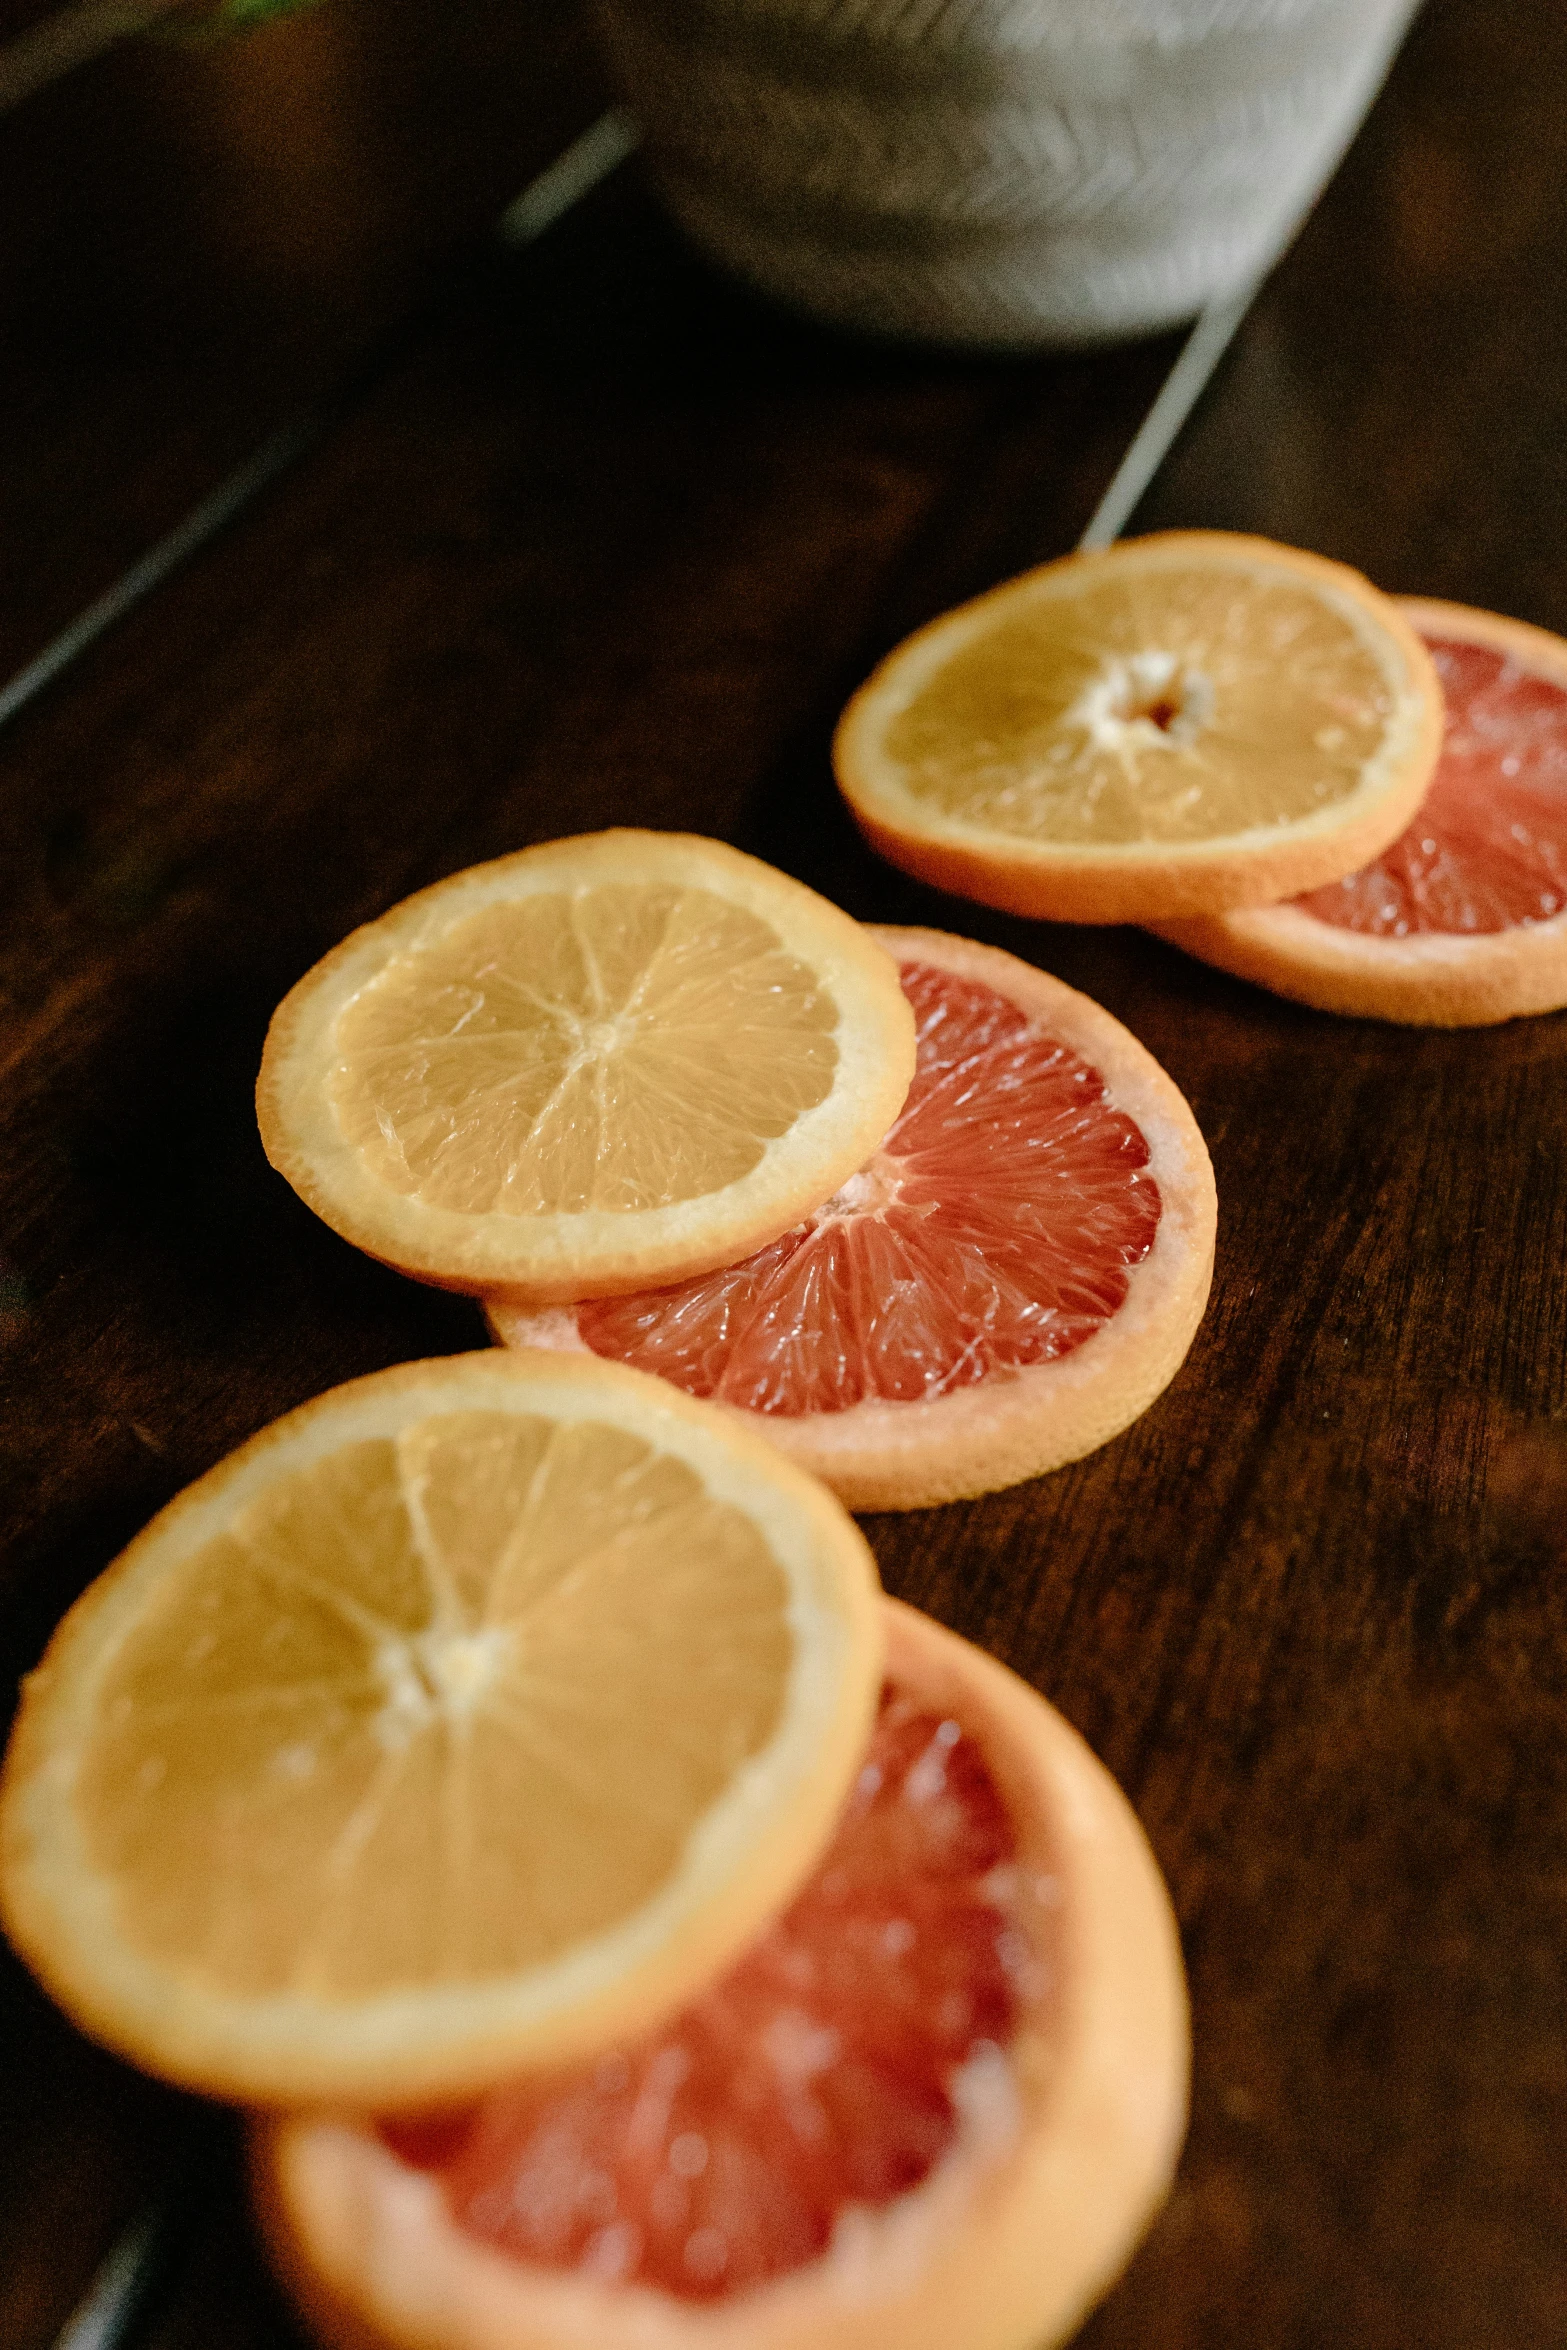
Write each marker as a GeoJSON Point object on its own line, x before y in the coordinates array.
{"type": "Point", "coordinates": [996, 1227]}
{"type": "Point", "coordinates": [608, 1048]}
{"type": "Point", "coordinates": [1488, 849]}
{"type": "Point", "coordinates": [826, 2075]}
{"type": "Point", "coordinates": [1167, 706]}
{"type": "Point", "coordinates": [405, 1639]}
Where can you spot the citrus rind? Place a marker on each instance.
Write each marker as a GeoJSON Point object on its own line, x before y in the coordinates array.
{"type": "Point", "coordinates": [1435, 979]}
{"type": "Point", "coordinates": [978, 1439]}
{"type": "Point", "coordinates": [745, 1853]}
{"type": "Point", "coordinates": [592, 1250]}
{"type": "Point", "coordinates": [1000, 2249]}
{"type": "Point", "coordinates": [1146, 880]}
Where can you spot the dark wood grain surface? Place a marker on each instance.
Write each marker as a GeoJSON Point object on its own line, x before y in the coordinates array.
{"type": "Point", "coordinates": [198, 240]}
{"type": "Point", "coordinates": [609, 542]}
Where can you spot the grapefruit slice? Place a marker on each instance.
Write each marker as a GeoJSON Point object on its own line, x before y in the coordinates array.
{"type": "Point", "coordinates": [961, 2058]}
{"type": "Point", "coordinates": [1007, 1283]}
{"type": "Point", "coordinates": [1463, 920]}
{"type": "Point", "coordinates": [1170, 726]}
{"type": "Point", "coordinates": [464, 1719]}
{"type": "Point", "coordinates": [598, 1063]}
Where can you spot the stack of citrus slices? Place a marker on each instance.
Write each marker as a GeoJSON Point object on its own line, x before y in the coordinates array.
{"type": "Point", "coordinates": [1241, 746]}
{"type": "Point", "coordinates": [1008, 1281]}
{"type": "Point", "coordinates": [506, 1774]}
{"type": "Point", "coordinates": [1462, 921]}
{"type": "Point", "coordinates": [653, 1101]}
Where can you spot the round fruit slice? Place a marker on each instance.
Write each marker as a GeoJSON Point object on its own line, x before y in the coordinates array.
{"type": "Point", "coordinates": [1463, 921]}
{"type": "Point", "coordinates": [1007, 1283]}
{"type": "Point", "coordinates": [1021, 1918]}
{"type": "Point", "coordinates": [595, 1064]}
{"type": "Point", "coordinates": [464, 1719]}
{"type": "Point", "coordinates": [1172, 726]}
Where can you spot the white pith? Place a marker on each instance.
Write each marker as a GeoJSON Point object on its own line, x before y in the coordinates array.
{"type": "Point", "coordinates": [1113, 711]}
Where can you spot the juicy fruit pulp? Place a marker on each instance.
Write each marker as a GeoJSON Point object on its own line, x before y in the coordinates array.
{"type": "Point", "coordinates": [594, 1064]}
{"type": "Point", "coordinates": [996, 1227]}
{"type": "Point", "coordinates": [826, 2073]}
{"type": "Point", "coordinates": [468, 1717]}
{"type": "Point", "coordinates": [611, 1048]}
{"type": "Point", "coordinates": [1174, 707]}
{"type": "Point", "coordinates": [1168, 728]}
{"type": "Point", "coordinates": [392, 1659]}
{"type": "Point", "coordinates": [1488, 849]}
{"type": "Point", "coordinates": [1069, 2103]}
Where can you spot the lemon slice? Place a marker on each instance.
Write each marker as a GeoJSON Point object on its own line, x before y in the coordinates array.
{"type": "Point", "coordinates": [598, 1064]}
{"type": "Point", "coordinates": [463, 1720]}
{"type": "Point", "coordinates": [1175, 725]}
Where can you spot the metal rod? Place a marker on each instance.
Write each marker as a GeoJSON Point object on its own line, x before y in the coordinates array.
{"type": "Point", "coordinates": [145, 2259]}
{"type": "Point", "coordinates": [1200, 354]}
{"type": "Point", "coordinates": [127, 2277]}
{"type": "Point", "coordinates": [602, 148]}
{"type": "Point", "coordinates": [573, 175]}
{"type": "Point", "coordinates": [149, 571]}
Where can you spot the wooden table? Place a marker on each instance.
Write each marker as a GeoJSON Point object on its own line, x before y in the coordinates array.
{"type": "Point", "coordinates": [600, 540]}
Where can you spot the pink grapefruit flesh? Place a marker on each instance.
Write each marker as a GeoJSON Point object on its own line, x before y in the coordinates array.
{"type": "Point", "coordinates": [994, 1969]}
{"type": "Point", "coordinates": [1463, 921]}
{"type": "Point", "coordinates": [995, 1227]}
{"type": "Point", "coordinates": [1488, 849]}
{"type": "Point", "coordinates": [1007, 1284]}
{"type": "Point", "coordinates": [817, 2078]}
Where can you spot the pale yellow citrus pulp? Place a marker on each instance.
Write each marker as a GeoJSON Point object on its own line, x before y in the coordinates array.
{"type": "Point", "coordinates": [464, 1718]}
{"type": "Point", "coordinates": [597, 1063]}
{"type": "Point", "coordinates": [1188, 719]}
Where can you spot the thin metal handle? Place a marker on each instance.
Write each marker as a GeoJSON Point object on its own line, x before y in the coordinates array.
{"type": "Point", "coordinates": [1178, 395]}
{"type": "Point", "coordinates": [573, 175]}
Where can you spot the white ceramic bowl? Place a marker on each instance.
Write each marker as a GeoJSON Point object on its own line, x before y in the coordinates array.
{"type": "Point", "coordinates": [997, 172]}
